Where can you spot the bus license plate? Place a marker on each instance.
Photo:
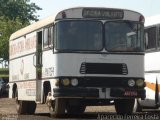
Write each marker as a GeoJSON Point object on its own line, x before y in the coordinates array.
{"type": "Point", "coordinates": [130, 93]}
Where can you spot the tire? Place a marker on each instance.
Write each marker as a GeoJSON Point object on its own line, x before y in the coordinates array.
{"type": "Point", "coordinates": [58, 108]}
{"type": "Point", "coordinates": [24, 107]}
{"type": "Point", "coordinates": [31, 107]}
{"type": "Point", "coordinates": [124, 106]}
{"type": "Point", "coordinates": [21, 106]}
{"type": "Point", "coordinates": [1, 92]}
{"type": "Point", "coordinates": [77, 108]}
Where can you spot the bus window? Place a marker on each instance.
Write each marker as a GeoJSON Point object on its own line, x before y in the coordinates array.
{"type": "Point", "coordinates": [150, 35]}
{"type": "Point", "coordinates": [79, 35]}
{"type": "Point", "coordinates": [158, 38]}
{"type": "Point", "coordinates": [45, 41]}
{"type": "Point", "coordinates": [48, 37]}
{"type": "Point", "coordinates": [130, 39]}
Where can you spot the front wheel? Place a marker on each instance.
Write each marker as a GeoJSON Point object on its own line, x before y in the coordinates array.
{"type": "Point", "coordinates": [124, 106]}
{"type": "Point", "coordinates": [57, 108]}
{"type": "Point", "coordinates": [75, 107]}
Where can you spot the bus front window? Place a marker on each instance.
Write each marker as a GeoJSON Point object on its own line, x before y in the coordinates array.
{"type": "Point", "coordinates": [123, 36]}
{"type": "Point", "coordinates": [79, 35]}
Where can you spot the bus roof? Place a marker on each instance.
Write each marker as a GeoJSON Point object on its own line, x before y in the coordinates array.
{"type": "Point", "coordinates": [98, 12]}
{"type": "Point", "coordinates": [33, 27]}
{"type": "Point", "coordinates": [79, 13]}
{"type": "Point", "coordinates": [152, 20]}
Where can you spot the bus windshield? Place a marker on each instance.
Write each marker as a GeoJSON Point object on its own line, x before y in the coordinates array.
{"type": "Point", "coordinates": [124, 36]}
{"type": "Point", "coordinates": [86, 35]}
{"type": "Point", "coordinates": [79, 35]}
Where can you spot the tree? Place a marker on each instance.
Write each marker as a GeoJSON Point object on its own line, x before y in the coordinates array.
{"type": "Point", "coordinates": [14, 14]}
{"type": "Point", "coordinates": [7, 27]}
{"type": "Point", "coordinates": [22, 9]}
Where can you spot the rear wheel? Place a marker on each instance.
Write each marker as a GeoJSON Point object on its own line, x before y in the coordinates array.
{"type": "Point", "coordinates": [1, 92]}
{"type": "Point", "coordinates": [24, 107]}
{"type": "Point", "coordinates": [124, 106]}
{"type": "Point", "coordinates": [21, 106]}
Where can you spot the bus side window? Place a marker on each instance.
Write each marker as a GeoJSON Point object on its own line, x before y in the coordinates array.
{"type": "Point", "coordinates": [48, 37]}
{"type": "Point", "coordinates": [158, 38]}
{"type": "Point", "coordinates": [51, 32]}
{"type": "Point", "coordinates": [150, 36]}
{"type": "Point", "coordinates": [45, 40]}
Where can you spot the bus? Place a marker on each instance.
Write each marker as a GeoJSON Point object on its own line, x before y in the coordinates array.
{"type": "Point", "coordinates": [152, 64]}
{"type": "Point", "coordinates": [83, 56]}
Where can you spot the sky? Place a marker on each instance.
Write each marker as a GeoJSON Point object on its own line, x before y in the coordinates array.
{"type": "Point", "coordinates": [52, 7]}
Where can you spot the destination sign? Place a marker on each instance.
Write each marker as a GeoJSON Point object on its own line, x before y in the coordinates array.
{"type": "Point", "coordinates": [102, 13]}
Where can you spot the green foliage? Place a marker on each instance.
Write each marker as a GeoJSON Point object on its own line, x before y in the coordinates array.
{"type": "Point", "coordinates": [7, 27]}
{"type": "Point", "coordinates": [21, 9]}
{"type": "Point", "coordinates": [4, 72]}
{"type": "Point", "coordinates": [14, 14]}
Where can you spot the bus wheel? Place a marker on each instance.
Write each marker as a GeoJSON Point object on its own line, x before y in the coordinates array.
{"type": "Point", "coordinates": [124, 106]}
{"type": "Point", "coordinates": [57, 108]}
{"type": "Point", "coordinates": [21, 106]}
{"type": "Point", "coordinates": [77, 108]}
{"type": "Point", "coordinates": [31, 107]}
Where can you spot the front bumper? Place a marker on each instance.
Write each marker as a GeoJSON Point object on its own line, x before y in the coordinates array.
{"type": "Point", "coordinates": [95, 93]}
{"type": "Point", "coordinates": [76, 92]}
{"type": "Point", "coordinates": [131, 93]}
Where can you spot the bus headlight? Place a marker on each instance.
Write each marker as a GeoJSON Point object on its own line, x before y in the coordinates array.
{"type": "Point", "coordinates": [74, 82]}
{"type": "Point", "coordinates": [131, 83]}
{"type": "Point", "coordinates": [65, 82]}
{"type": "Point", "coordinates": [140, 83]}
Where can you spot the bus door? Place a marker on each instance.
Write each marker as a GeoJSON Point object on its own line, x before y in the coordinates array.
{"type": "Point", "coordinates": [39, 66]}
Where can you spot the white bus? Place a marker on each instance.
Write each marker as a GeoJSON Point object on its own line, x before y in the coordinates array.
{"type": "Point", "coordinates": [82, 56]}
{"type": "Point", "coordinates": [152, 64]}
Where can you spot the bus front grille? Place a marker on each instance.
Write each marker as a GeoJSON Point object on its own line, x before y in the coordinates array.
{"type": "Point", "coordinates": [104, 68]}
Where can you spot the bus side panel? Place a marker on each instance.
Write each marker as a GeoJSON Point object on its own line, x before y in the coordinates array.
{"type": "Point", "coordinates": [23, 73]}
{"type": "Point", "coordinates": [152, 63]}
{"type": "Point", "coordinates": [48, 69]}
{"type": "Point", "coordinates": [152, 76]}
{"type": "Point", "coordinates": [22, 69]}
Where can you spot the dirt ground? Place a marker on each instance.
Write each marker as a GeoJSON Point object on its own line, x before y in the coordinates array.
{"type": "Point", "coordinates": [8, 112]}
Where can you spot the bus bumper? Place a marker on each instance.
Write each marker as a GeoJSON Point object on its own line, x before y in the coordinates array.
{"type": "Point", "coordinates": [95, 93]}
{"type": "Point", "coordinates": [76, 92]}
{"type": "Point", "coordinates": [131, 93]}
